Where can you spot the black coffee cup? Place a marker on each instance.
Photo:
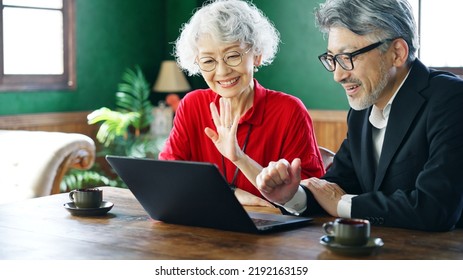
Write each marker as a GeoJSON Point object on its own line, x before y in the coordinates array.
{"type": "Point", "coordinates": [349, 232]}
{"type": "Point", "coordinates": [86, 198]}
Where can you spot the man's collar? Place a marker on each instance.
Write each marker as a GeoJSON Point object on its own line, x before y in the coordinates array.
{"type": "Point", "coordinates": [378, 118]}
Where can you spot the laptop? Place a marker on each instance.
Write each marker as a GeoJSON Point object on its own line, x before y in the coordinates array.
{"type": "Point", "coordinates": [193, 194]}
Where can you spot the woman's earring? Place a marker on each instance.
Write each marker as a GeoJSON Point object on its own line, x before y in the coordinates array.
{"type": "Point", "coordinates": [256, 69]}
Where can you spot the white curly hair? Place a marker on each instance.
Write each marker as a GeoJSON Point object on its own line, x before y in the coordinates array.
{"type": "Point", "coordinates": [227, 21]}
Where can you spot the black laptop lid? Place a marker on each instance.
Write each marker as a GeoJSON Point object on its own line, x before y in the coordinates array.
{"type": "Point", "coordinates": [179, 192]}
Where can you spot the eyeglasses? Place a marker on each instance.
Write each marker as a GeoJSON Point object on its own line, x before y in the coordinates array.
{"type": "Point", "coordinates": [232, 59]}
{"type": "Point", "coordinates": [345, 59]}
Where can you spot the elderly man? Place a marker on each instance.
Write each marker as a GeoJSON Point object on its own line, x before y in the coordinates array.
{"type": "Point", "coordinates": [399, 165]}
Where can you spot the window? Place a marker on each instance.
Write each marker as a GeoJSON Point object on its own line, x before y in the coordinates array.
{"type": "Point", "coordinates": [440, 42]}
{"type": "Point", "coordinates": [37, 45]}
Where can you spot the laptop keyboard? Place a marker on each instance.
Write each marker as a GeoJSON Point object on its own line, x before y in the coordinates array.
{"type": "Point", "coordinates": [263, 222]}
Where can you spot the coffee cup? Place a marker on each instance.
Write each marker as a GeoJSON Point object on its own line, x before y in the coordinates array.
{"type": "Point", "coordinates": [348, 232]}
{"type": "Point", "coordinates": [87, 198]}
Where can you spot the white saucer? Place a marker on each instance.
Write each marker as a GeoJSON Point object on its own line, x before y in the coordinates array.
{"type": "Point", "coordinates": [102, 210]}
{"type": "Point", "coordinates": [372, 245]}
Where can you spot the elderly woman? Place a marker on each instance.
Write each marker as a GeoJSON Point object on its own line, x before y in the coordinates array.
{"type": "Point", "coordinates": [236, 123]}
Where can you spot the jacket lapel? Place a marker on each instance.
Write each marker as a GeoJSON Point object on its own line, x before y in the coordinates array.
{"type": "Point", "coordinates": [367, 158]}
{"type": "Point", "coordinates": [404, 108]}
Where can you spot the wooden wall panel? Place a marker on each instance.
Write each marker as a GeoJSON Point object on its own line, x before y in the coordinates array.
{"type": "Point", "coordinates": [330, 127]}
{"type": "Point", "coordinates": [72, 122]}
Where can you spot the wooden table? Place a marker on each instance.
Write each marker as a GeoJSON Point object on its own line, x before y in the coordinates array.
{"type": "Point", "coordinates": [41, 228]}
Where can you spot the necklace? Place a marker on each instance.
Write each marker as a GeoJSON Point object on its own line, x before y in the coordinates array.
{"type": "Point", "coordinates": [232, 183]}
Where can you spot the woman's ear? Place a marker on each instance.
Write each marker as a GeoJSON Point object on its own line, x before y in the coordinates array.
{"type": "Point", "coordinates": [400, 52]}
{"type": "Point", "coordinates": [257, 60]}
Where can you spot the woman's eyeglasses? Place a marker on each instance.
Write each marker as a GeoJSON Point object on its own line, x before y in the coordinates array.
{"type": "Point", "coordinates": [233, 58]}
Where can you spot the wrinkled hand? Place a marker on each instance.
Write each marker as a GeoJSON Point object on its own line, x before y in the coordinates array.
{"type": "Point", "coordinates": [226, 126]}
{"type": "Point", "coordinates": [326, 193]}
{"type": "Point", "coordinates": [279, 181]}
{"type": "Point", "coordinates": [248, 199]}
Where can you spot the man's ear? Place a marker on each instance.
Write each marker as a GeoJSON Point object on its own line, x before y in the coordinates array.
{"type": "Point", "coordinates": [400, 52]}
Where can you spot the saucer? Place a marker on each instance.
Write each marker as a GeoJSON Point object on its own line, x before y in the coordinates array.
{"type": "Point", "coordinates": [367, 249]}
{"type": "Point", "coordinates": [102, 210]}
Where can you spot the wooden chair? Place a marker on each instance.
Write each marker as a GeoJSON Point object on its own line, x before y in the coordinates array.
{"type": "Point", "coordinates": [327, 157]}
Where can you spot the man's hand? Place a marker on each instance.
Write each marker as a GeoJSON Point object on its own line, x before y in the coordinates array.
{"type": "Point", "coordinates": [279, 181]}
{"type": "Point", "coordinates": [327, 194]}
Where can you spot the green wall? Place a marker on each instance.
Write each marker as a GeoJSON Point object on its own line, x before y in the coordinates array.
{"type": "Point", "coordinates": [296, 69]}
{"type": "Point", "coordinates": [179, 12]}
{"type": "Point", "coordinates": [111, 35]}
{"type": "Point", "coordinates": [115, 34]}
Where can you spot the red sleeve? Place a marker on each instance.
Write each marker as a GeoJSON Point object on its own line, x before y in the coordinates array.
{"type": "Point", "coordinates": [301, 143]}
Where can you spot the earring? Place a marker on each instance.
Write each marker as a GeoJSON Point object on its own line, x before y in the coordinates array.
{"type": "Point", "coordinates": [255, 69]}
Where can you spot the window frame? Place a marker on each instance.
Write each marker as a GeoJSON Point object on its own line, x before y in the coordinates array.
{"type": "Point", "coordinates": [65, 81]}
{"type": "Point", "coordinates": [455, 70]}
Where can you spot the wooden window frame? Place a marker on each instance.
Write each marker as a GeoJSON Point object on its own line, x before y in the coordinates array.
{"type": "Point", "coordinates": [455, 70]}
{"type": "Point", "coordinates": [66, 81]}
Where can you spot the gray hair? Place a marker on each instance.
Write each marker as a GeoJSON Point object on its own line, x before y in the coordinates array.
{"type": "Point", "coordinates": [379, 20]}
{"type": "Point", "coordinates": [227, 21]}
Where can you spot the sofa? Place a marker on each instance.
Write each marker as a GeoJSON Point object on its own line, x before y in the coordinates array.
{"type": "Point", "coordinates": [33, 163]}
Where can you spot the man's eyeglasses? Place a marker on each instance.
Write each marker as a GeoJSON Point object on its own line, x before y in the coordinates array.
{"type": "Point", "coordinates": [233, 58]}
{"type": "Point", "coordinates": [345, 59]}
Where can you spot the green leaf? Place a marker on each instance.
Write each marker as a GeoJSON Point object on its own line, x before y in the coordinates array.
{"type": "Point", "coordinates": [133, 111]}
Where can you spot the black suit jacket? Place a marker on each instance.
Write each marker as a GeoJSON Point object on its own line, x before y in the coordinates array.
{"type": "Point", "coordinates": [418, 183]}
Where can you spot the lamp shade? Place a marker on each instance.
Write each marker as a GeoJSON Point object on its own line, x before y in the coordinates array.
{"type": "Point", "coordinates": [171, 78]}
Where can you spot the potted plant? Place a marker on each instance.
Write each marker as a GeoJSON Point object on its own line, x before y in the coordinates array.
{"type": "Point", "coordinates": [133, 114]}
{"type": "Point", "coordinates": [123, 131]}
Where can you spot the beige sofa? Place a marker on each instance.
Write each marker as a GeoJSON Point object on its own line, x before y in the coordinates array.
{"type": "Point", "coordinates": [33, 163]}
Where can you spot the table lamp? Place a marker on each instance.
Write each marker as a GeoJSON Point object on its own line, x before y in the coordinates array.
{"type": "Point", "coordinates": [171, 80]}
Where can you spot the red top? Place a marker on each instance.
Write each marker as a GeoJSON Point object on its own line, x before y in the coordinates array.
{"type": "Point", "coordinates": [281, 128]}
